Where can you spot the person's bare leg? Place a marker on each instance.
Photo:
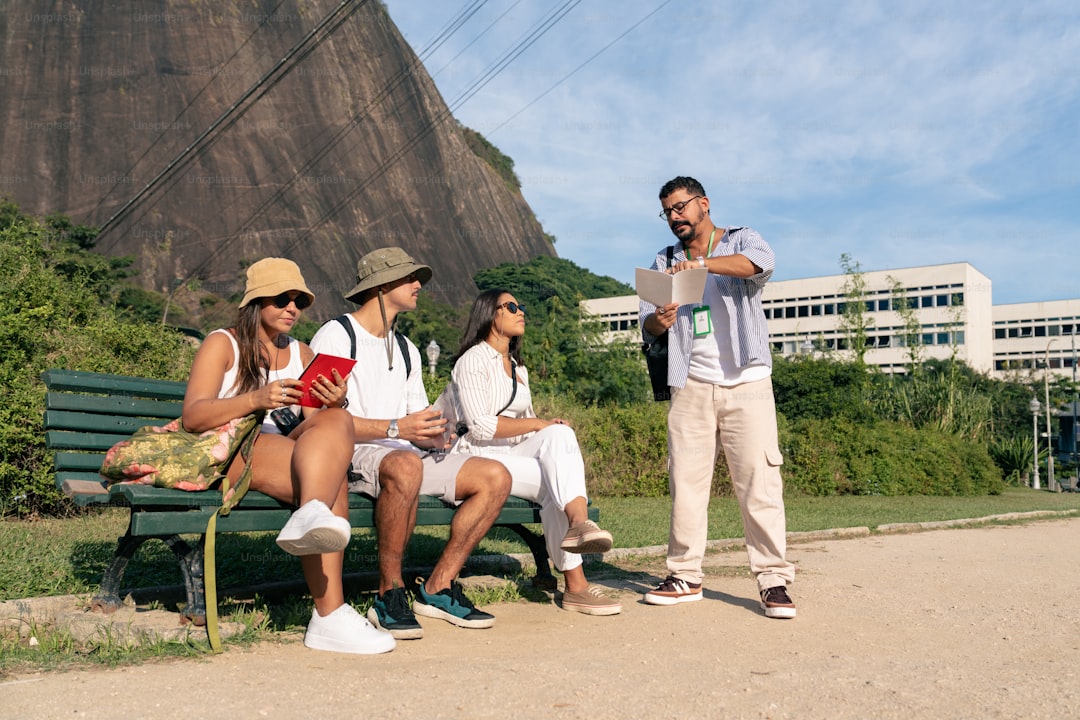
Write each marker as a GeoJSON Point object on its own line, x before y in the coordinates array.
{"type": "Point", "coordinates": [482, 486]}
{"type": "Point", "coordinates": [577, 511]}
{"type": "Point", "coordinates": [323, 452]}
{"type": "Point", "coordinates": [400, 475]}
{"type": "Point", "coordinates": [323, 572]}
{"type": "Point", "coordinates": [273, 456]}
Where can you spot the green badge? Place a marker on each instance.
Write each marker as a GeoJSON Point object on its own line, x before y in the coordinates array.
{"type": "Point", "coordinates": [702, 321]}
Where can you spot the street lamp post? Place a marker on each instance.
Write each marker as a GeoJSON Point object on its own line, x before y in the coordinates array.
{"type": "Point", "coordinates": [432, 351]}
{"type": "Point", "coordinates": [1050, 485]}
{"type": "Point", "coordinates": [1076, 428]}
{"type": "Point", "coordinates": [1034, 407]}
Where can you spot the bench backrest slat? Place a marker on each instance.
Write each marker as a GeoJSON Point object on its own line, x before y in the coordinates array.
{"type": "Point", "coordinates": [61, 420]}
{"type": "Point", "coordinates": [73, 381]}
{"type": "Point", "coordinates": [126, 405]}
{"type": "Point", "coordinates": [90, 442]}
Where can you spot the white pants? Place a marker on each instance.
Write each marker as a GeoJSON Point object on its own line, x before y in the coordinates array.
{"type": "Point", "coordinates": [548, 469]}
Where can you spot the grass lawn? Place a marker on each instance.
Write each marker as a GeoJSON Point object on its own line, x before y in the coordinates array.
{"type": "Point", "coordinates": [60, 557]}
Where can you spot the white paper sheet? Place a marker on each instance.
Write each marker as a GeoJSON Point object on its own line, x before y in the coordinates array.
{"type": "Point", "coordinates": [659, 288]}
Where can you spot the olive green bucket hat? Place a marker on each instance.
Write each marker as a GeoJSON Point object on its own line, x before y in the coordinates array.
{"type": "Point", "coordinates": [383, 266]}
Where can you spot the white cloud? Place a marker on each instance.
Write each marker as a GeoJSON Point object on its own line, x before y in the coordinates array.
{"type": "Point", "coordinates": [832, 127]}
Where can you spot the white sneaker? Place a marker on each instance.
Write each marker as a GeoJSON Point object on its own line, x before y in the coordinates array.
{"type": "Point", "coordinates": [314, 530]}
{"type": "Point", "coordinates": [345, 631]}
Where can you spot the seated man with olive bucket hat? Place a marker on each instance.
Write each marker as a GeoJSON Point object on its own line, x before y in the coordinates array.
{"type": "Point", "coordinates": [396, 432]}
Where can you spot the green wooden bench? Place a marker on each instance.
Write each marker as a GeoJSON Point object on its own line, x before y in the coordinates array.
{"type": "Point", "coordinates": [87, 413]}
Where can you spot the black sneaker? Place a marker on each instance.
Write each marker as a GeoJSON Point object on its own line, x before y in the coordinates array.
{"type": "Point", "coordinates": [391, 612]}
{"type": "Point", "coordinates": [452, 606]}
{"type": "Point", "coordinates": [776, 603]}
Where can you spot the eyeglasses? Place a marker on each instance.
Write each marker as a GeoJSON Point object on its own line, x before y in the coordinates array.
{"type": "Point", "coordinates": [282, 301]}
{"type": "Point", "coordinates": [512, 307]}
{"type": "Point", "coordinates": [678, 207]}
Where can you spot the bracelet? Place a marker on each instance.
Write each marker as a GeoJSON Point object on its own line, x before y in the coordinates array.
{"type": "Point", "coordinates": [702, 261]}
{"type": "Point", "coordinates": [344, 404]}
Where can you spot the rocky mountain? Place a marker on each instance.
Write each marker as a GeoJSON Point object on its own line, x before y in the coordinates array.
{"type": "Point", "coordinates": [303, 128]}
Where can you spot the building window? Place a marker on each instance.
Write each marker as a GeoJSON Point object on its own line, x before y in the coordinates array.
{"type": "Point", "coordinates": [815, 309]}
{"type": "Point", "coordinates": [942, 300]}
{"type": "Point", "coordinates": [943, 338]}
{"type": "Point", "coordinates": [927, 301]}
{"type": "Point", "coordinates": [999, 333]}
{"type": "Point", "coordinates": [883, 304]}
{"type": "Point", "coordinates": [804, 311]}
{"type": "Point", "coordinates": [830, 309]}
{"type": "Point", "coordinates": [789, 312]}
{"type": "Point", "coordinates": [928, 339]}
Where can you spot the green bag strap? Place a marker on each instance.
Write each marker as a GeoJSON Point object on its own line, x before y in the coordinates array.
{"type": "Point", "coordinates": [209, 564]}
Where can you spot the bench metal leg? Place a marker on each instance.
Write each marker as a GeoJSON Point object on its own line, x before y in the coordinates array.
{"type": "Point", "coordinates": [191, 567]}
{"type": "Point", "coordinates": [543, 579]}
{"type": "Point", "coordinates": [108, 599]}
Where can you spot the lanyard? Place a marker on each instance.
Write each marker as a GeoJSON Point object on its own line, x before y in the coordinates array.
{"type": "Point", "coordinates": [708, 251]}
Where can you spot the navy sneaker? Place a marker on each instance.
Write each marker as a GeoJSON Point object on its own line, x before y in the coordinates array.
{"type": "Point", "coordinates": [452, 606]}
{"type": "Point", "coordinates": [391, 612]}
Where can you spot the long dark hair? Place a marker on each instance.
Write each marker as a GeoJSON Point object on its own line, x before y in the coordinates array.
{"type": "Point", "coordinates": [252, 367]}
{"type": "Point", "coordinates": [479, 325]}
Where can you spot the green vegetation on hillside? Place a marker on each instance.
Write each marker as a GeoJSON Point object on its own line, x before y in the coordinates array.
{"type": "Point", "coordinates": [493, 156]}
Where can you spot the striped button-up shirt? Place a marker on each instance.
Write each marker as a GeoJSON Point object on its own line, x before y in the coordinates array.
{"type": "Point", "coordinates": [749, 335]}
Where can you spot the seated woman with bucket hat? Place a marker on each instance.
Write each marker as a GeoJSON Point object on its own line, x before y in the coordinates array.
{"type": "Point", "coordinates": [252, 366]}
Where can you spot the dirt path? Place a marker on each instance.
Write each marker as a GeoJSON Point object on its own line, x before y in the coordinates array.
{"type": "Point", "coordinates": [960, 623]}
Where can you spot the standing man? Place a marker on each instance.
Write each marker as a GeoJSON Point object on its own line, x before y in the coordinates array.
{"type": "Point", "coordinates": [395, 431]}
{"type": "Point", "coordinates": [719, 371]}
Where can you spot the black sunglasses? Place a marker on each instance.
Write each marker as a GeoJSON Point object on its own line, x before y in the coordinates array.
{"type": "Point", "coordinates": [513, 307]}
{"type": "Point", "coordinates": [282, 301]}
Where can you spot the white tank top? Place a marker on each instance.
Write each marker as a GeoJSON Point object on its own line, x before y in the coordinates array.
{"type": "Point", "coordinates": [291, 371]}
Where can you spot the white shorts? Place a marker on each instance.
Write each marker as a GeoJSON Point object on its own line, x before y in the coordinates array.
{"type": "Point", "coordinates": [440, 471]}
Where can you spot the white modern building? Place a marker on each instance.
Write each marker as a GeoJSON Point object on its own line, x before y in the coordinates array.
{"type": "Point", "coordinates": [1038, 334]}
{"type": "Point", "coordinates": [951, 313]}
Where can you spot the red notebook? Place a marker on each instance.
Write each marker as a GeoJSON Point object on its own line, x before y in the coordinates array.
{"type": "Point", "coordinates": [322, 364]}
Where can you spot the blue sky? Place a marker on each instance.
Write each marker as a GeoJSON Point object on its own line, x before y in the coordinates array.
{"type": "Point", "coordinates": [901, 134]}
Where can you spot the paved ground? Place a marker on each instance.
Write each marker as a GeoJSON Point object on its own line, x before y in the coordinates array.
{"type": "Point", "coordinates": [951, 623]}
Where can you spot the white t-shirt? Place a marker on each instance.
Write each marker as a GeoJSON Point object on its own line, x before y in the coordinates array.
{"type": "Point", "coordinates": [714, 362]}
{"type": "Point", "coordinates": [375, 391]}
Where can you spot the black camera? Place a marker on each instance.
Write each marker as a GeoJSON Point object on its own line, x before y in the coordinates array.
{"type": "Point", "coordinates": [285, 419]}
{"type": "Point", "coordinates": [461, 428]}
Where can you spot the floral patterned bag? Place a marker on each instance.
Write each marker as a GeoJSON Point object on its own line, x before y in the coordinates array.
{"type": "Point", "coordinates": [171, 457]}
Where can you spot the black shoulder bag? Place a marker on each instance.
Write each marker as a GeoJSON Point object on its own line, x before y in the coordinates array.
{"type": "Point", "coordinates": [656, 355]}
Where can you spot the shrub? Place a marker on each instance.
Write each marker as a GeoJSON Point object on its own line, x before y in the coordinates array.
{"type": "Point", "coordinates": [54, 316]}
{"type": "Point", "coordinates": [835, 456]}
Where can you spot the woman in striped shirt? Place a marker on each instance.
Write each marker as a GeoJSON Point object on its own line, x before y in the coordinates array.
{"type": "Point", "coordinates": [491, 399]}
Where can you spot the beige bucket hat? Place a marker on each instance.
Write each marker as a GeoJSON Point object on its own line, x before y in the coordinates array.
{"type": "Point", "coordinates": [272, 276]}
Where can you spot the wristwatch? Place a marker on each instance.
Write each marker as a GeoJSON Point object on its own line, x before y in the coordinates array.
{"type": "Point", "coordinates": [391, 430]}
